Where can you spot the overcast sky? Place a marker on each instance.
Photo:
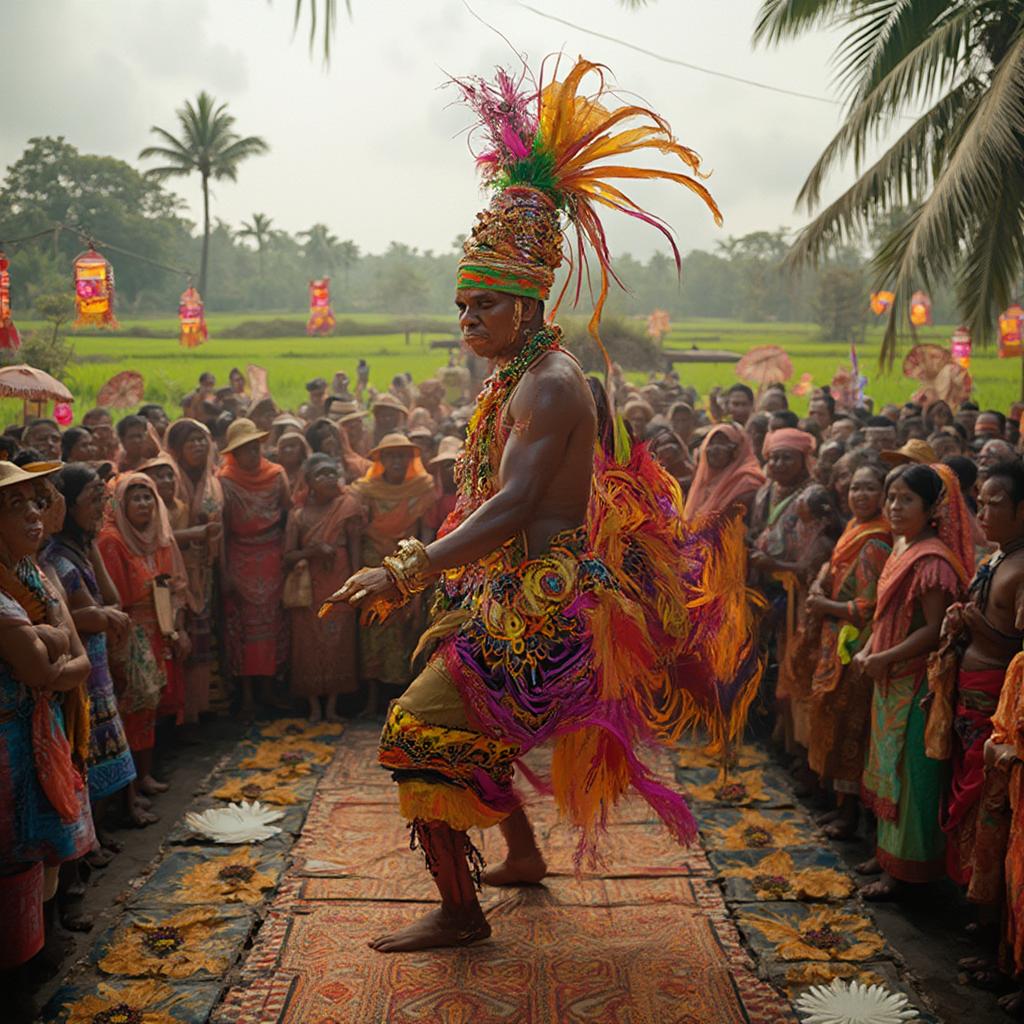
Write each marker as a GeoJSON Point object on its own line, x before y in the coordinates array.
{"type": "Point", "coordinates": [370, 145]}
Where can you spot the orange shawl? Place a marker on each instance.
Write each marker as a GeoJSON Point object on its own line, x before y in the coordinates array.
{"type": "Point", "coordinates": [716, 490]}
{"type": "Point", "coordinates": [395, 508]}
{"type": "Point", "coordinates": [848, 548]}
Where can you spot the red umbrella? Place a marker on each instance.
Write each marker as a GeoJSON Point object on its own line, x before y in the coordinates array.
{"type": "Point", "coordinates": [123, 391]}
{"type": "Point", "coordinates": [766, 364]}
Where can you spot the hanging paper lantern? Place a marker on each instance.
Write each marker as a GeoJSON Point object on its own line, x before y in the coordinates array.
{"type": "Point", "coordinates": [1010, 324]}
{"type": "Point", "coordinates": [321, 316]}
{"type": "Point", "coordinates": [881, 302]}
{"type": "Point", "coordinates": [94, 291]}
{"type": "Point", "coordinates": [62, 413]}
{"type": "Point", "coordinates": [9, 337]}
{"type": "Point", "coordinates": [191, 319]}
{"type": "Point", "coordinates": [920, 310]}
{"type": "Point", "coordinates": [960, 347]}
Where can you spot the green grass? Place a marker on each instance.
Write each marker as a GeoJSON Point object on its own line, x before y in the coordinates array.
{"type": "Point", "coordinates": [171, 371]}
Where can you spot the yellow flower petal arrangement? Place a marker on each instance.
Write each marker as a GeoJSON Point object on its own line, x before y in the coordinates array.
{"type": "Point", "coordinates": [298, 755]}
{"type": "Point", "coordinates": [756, 831]}
{"type": "Point", "coordinates": [824, 934]}
{"type": "Point", "coordinates": [739, 789]}
{"type": "Point", "coordinates": [801, 976]}
{"type": "Point", "coordinates": [124, 1005]}
{"type": "Point", "coordinates": [299, 728]}
{"type": "Point", "coordinates": [173, 947]}
{"type": "Point", "coordinates": [776, 877]}
{"type": "Point", "coordinates": [267, 787]}
{"type": "Point", "coordinates": [235, 878]}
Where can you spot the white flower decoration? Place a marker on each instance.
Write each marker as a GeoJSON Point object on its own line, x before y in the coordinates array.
{"type": "Point", "coordinates": [850, 1002]}
{"type": "Point", "coordinates": [237, 823]}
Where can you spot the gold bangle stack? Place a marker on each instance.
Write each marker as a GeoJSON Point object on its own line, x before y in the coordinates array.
{"type": "Point", "coordinates": [408, 567]}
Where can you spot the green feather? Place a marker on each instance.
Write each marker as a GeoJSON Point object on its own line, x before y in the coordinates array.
{"type": "Point", "coordinates": [536, 170]}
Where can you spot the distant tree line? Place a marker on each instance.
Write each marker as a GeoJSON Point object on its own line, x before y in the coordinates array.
{"type": "Point", "coordinates": [256, 266]}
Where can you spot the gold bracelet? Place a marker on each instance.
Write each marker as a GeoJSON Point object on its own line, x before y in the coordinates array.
{"type": "Point", "coordinates": [408, 567]}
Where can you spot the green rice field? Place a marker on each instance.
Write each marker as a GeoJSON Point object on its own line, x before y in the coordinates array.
{"type": "Point", "coordinates": [171, 371]}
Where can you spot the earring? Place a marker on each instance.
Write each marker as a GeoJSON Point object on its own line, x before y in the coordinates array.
{"type": "Point", "coordinates": [517, 318]}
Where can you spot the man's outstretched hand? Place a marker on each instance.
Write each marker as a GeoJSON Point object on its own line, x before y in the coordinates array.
{"type": "Point", "coordinates": [363, 589]}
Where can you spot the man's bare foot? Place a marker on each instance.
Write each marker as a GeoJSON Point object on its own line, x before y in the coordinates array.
{"type": "Point", "coordinates": [886, 888]}
{"type": "Point", "coordinates": [333, 717]}
{"type": "Point", "coordinates": [523, 871]}
{"type": "Point", "coordinates": [436, 928]}
{"type": "Point", "coordinates": [1013, 1004]}
{"type": "Point", "coordinates": [869, 867]}
{"type": "Point", "coordinates": [151, 787]}
{"type": "Point", "coordinates": [315, 714]}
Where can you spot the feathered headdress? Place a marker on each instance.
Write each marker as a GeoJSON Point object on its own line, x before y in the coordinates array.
{"type": "Point", "coordinates": [551, 151]}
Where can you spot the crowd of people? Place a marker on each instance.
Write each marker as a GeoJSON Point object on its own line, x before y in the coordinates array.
{"type": "Point", "coordinates": [154, 572]}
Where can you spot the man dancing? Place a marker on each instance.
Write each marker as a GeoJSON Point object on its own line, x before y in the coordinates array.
{"type": "Point", "coordinates": [538, 637]}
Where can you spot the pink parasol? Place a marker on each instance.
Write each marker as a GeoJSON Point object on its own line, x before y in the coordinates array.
{"type": "Point", "coordinates": [923, 362]}
{"type": "Point", "coordinates": [766, 364]}
{"type": "Point", "coordinates": [32, 385]}
{"type": "Point", "coordinates": [123, 391]}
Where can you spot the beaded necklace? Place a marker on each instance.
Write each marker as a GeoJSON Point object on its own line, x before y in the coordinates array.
{"type": "Point", "coordinates": [474, 470]}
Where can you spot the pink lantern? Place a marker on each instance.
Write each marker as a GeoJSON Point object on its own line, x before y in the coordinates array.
{"type": "Point", "coordinates": [62, 413]}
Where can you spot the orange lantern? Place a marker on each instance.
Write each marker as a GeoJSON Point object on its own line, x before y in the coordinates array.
{"type": "Point", "coordinates": [658, 325]}
{"type": "Point", "coordinates": [920, 309]}
{"type": "Point", "coordinates": [960, 347]}
{"type": "Point", "coordinates": [1010, 324]}
{"type": "Point", "coordinates": [881, 302]}
{"type": "Point", "coordinates": [321, 316]}
{"type": "Point", "coordinates": [191, 319]}
{"type": "Point", "coordinates": [94, 291]}
{"type": "Point", "coordinates": [9, 337]}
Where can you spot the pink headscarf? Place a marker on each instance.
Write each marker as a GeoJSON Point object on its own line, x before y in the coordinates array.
{"type": "Point", "coordinates": [715, 490]}
{"type": "Point", "coordinates": [798, 440]}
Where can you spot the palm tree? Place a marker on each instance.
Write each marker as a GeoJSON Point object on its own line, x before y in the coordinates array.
{"type": "Point", "coordinates": [322, 249]}
{"type": "Point", "coordinates": [957, 165]}
{"type": "Point", "coordinates": [208, 145]}
{"type": "Point", "coordinates": [348, 257]}
{"type": "Point", "coordinates": [259, 231]}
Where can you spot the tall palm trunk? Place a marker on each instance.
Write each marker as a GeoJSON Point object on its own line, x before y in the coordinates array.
{"type": "Point", "coordinates": [206, 239]}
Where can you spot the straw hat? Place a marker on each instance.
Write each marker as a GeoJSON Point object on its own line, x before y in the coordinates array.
{"type": "Point", "coordinates": [915, 450]}
{"type": "Point", "coordinates": [421, 431]}
{"type": "Point", "coordinates": [389, 401]}
{"type": "Point", "coordinates": [351, 417]}
{"type": "Point", "coordinates": [11, 474]}
{"type": "Point", "coordinates": [287, 419]}
{"type": "Point", "coordinates": [240, 432]}
{"type": "Point", "coordinates": [392, 442]}
{"type": "Point", "coordinates": [447, 451]}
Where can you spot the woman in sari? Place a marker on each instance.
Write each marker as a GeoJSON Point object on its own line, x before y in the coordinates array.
{"type": "Point", "coordinates": [256, 505]}
{"type": "Point", "coordinates": [44, 807]}
{"type": "Point", "coordinates": [842, 599]}
{"type": "Point", "coordinates": [928, 570]}
{"type": "Point", "coordinates": [198, 525]}
{"type": "Point", "coordinates": [728, 472]}
{"type": "Point", "coordinates": [397, 493]}
{"type": "Point", "coordinates": [327, 437]}
{"type": "Point", "coordinates": [111, 769]}
{"type": "Point", "coordinates": [290, 454]}
{"type": "Point", "coordinates": [324, 532]}
{"type": "Point", "coordinates": [139, 549]}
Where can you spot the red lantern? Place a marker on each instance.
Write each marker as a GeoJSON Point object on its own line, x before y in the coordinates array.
{"type": "Point", "coordinates": [1010, 324]}
{"type": "Point", "coordinates": [9, 337]}
{"type": "Point", "coordinates": [191, 319]}
{"type": "Point", "coordinates": [321, 316]}
{"type": "Point", "coordinates": [94, 291]}
{"type": "Point", "coordinates": [881, 302]}
{"type": "Point", "coordinates": [920, 310]}
{"type": "Point", "coordinates": [960, 347]}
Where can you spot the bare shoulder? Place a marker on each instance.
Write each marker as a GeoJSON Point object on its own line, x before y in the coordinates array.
{"type": "Point", "coordinates": [555, 380]}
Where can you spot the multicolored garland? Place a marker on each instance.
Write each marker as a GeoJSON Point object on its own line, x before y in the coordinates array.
{"type": "Point", "coordinates": [475, 471]}
{"type": "Point", "coordinates": [9, 337]}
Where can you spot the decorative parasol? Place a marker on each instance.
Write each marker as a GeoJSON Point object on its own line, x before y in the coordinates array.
{"type": "Point", "coordinates": [32, 385]}
{"type": "Point", "coordinates": [805, 386]}
{"type": "Point", "coordinates": [923, 362]}
{"type": "Point", "coordinates": [258, 386]}
{"type": "Point", "coordinates": [766, 364]}
{"type": "Point", "coordinates": [123, 391]}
